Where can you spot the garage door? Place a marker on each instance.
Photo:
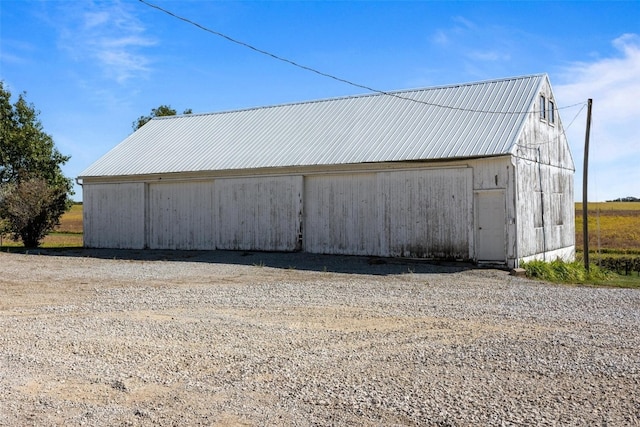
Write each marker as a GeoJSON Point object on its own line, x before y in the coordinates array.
{"type": "Point", "coordinates": [341, 214]}
{"type": "Point", "coordinates": [427, 213]}
{"type": "Point", "coordinates": [181, 216]}
{"type": "Point", "coordinates": [259, 213]}
{"type": "Point", "coordinates": [417, 213]}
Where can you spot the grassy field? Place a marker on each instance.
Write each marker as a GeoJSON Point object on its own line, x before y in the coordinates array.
{"type": "Point", "coordinates": [71, 222]}
{"type": "Point", "coordinates": [614, 227]}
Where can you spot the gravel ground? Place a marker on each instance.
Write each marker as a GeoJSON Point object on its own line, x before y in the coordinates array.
{"type": "Point", "coordinates": [102, 338]}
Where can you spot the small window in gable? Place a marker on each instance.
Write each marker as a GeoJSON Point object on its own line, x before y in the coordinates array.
{"type": "Point", "coordinates": [552, 113]}
{"type": "Point", "coordinates": [543, 107]}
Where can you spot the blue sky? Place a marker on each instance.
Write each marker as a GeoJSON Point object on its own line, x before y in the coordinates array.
{"type": "Point", "coordinates": [93, 67]}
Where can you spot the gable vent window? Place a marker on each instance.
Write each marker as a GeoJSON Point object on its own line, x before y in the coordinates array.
{"type": "Point", "coordinates": [552, 113]}
{"type": "Point", "coordinates": [543, 107]}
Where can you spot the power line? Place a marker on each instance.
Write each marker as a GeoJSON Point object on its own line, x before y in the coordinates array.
{"type": "Point", "coordinates": [535, 145]}
{"type": "Point", "coordinates": [264, 52]}
{"type": "Point", "coordinates": [323, 74]}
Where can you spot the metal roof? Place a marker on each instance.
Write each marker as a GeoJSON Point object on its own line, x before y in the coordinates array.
{"type": "Point", "coordinates": [456, 121]}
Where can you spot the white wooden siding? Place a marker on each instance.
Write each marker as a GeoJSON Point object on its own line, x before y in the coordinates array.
{"type": "Point", "coordinates": [259, 213]}
{"type": "Point", "coordinates": [341, 214]}
{"type": "Point", "coordinates": [370, 185]}
{"type": "Point", "coordinates": [546, 218]}
{"type": "Point", "coordinates": [180, 215]}
{"type": "Point", "coordinates": [542, 141]}
{"type": "Point", "coordinates": [544, 203]}
{"type": "Point", "coordinates": [419, 213]}
{"type": "Point", "coordinates": [427, 213]}
{"type": "Point", "coordinates": [114, 215]}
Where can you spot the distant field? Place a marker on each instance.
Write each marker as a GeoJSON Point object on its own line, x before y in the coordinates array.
{"type": "Point", "coordinates": [71, 222]}
{"type": "Point", "coordinates": [613, 226]}
{"type": "Point", "coordinates": [67, 234]}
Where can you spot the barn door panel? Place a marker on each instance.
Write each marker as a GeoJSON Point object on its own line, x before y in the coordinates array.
{"type": "Point", "coordinates": [180, 215]}
{"type": "Point", "coordinates": [259, 213]}
{"type": "Point", "coordinates": [114, 215]}
{"type": "Point", "coordinates": [341, 214]}
{"type": "Point", "coordinates": [427, 213]}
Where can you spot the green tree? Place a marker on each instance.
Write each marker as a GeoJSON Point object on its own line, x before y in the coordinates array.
{"type": "Point", "coordinates": [161, 111]}
{"type": "Point", "coordinates": [33, 191]}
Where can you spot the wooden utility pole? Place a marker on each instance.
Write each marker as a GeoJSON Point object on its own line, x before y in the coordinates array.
{"type": "Point", "coordinates": [585, 225]}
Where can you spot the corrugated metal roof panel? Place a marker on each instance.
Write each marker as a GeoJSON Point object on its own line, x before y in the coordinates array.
{"type": "Point", "coordinates": [467, 120]}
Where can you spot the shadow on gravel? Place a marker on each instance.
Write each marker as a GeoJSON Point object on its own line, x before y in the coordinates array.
{"type": "Point", "coordinates": [285, 260]}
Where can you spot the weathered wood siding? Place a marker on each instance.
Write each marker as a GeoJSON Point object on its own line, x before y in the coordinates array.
{"type": "Point", "coordinates": [341, 214]}
{"type": "Point", "coordinates": [114, 215]}
{"type": "Point", "coordinates": [546, 217]}
{"type": "Point", "coordinates": [180, 215]}
{"type": "Point", "coordinates": [262, 213]}
{"type": "Point", "coordinates": [417, 213]}
{"type": "Point", "coordinates": [542, 140]}
{"type": "Point", "coordinates": [427, 213]}
{"type": "Point", "coordinates": [490, 222]}
{"type": "Point", "coordinates": [544, 182]}
{"type": "Point", "coordinates": [413, 212]}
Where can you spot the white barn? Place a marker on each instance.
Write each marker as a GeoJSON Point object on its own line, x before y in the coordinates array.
{"type": "Point", "coordinates": [479, 171]}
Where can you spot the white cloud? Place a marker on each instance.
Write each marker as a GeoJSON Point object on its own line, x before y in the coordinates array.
{"type": "Point", "coordinates": [460, 27]}
{"type": "Point", "coordinates": [108, 34]}
{"type": "Point", "coordinates": [15, 51]}
{"type": "Point", "coordinates": [464, 23]}
{"type": "Point", "coordinates": [477, 47]}
{"type": "Point", "coordinates": [614, 149]}
{"type": "Point", "coordinates": [489, 55]}
{"type": "Point", "coordinates": [440, 38]}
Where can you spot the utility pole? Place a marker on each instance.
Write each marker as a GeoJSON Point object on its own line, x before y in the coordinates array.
{"type": "Point", "coordinates": [585, 225]}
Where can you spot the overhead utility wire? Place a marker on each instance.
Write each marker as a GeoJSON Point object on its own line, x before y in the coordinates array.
{"type": "Point", "coordinates": [535, 145]}
{"type": "Point", "coordinates": [313, 70]}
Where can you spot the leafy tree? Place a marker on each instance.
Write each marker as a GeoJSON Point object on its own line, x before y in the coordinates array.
{"type": "Point", "coordinates": [161, 111]}
{"type": "Point", "coordinates": [33, 191]}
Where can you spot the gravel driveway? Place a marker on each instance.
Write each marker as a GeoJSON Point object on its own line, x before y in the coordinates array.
{"type": "Point", "coordinates": [229, 338]}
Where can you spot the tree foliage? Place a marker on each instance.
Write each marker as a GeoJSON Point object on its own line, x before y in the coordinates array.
{"type": "Point", "coordinates": [33, 191]}
{"type": "Point", "coordinates": [31, 208]}
{"type": "Point", "coordinates": [161, 111]}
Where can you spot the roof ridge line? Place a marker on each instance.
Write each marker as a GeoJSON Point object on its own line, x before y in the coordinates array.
{"type": "Point", "coordinates": [357, 96]}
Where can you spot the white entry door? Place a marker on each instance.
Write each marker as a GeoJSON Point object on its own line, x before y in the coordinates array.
{"type": "Point", "coordinates": [490, 226]}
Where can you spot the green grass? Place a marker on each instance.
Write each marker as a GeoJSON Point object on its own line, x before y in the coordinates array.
{"type": "Point", "coordinates": [614, 234]}
{"type": "Point", "coordinates": [619, 281]}
{"type": "Point", "coordinates": [71, 221]}
{"type": "Point", "coordinates": [574, 273]}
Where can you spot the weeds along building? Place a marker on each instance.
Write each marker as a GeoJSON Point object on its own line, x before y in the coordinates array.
{"type": "Point", "coordinates": [479, 171]}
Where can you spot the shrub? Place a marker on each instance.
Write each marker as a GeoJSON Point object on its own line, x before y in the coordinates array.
{"type": "Point", "coordinates": [31, 209]}
{"type": "Point", "coordinates": [559, 271]}
{"type": "Point", "coordinates": [620, 265]}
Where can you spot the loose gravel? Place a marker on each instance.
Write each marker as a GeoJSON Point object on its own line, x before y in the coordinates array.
{"type": "Point", "coordinates": [102, 338]}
